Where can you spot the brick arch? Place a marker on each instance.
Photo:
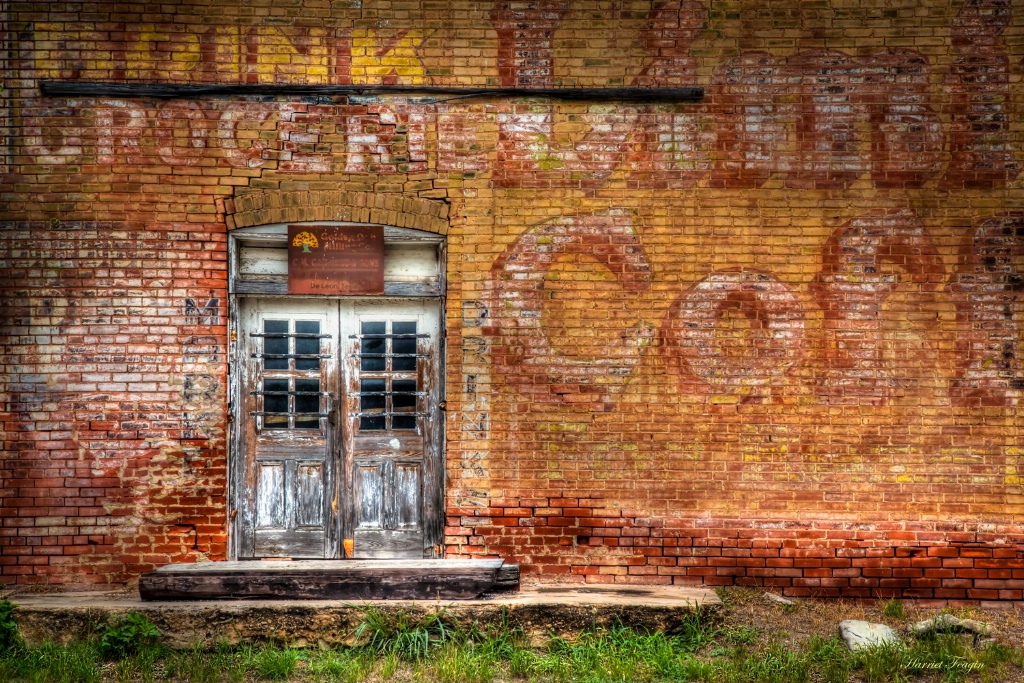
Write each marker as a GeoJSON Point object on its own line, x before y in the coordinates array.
{"type": "Point", "coordinates": [293, 206]}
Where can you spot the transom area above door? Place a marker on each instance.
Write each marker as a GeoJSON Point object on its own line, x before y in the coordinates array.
{"type": "Point", "coordinates": [413, 261]}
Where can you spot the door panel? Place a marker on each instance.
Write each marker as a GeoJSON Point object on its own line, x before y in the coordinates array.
{"type": "Point", "coordinates": [270, 495]}
{"type": "Point", "coordinates": [339, 428]}
{"type": "Point", "coordinates": [390, 371]}
{"type": "Point", "coordinates": [291, 351]}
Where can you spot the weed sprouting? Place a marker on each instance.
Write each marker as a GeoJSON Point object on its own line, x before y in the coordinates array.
{"type": "Point", "coordinates": [697, 630]}
{"type": "Point", "coordinates": [884, 662]}
{"type": "Point", "coordinates": [772, 664]}
{"type": "Point", "coordinates": [272, 663]}
{"type": "Point", "coordinates": [128, 635]}
{"type": "Point", "coordinates": [409, 637]}
{"type": "Point", "coordinates": [831, 658]}
{"type": "Point", "coordinates": [619, 654]}
{"type": "Point", "coordinates": [523, 663]}
{"type": "Point", "coordinates": [465, 663]}
{"type": "Point", "coordinates": [742, 635]}
{"type": "Point", "coordinates": [388, 666]}
{"type": "Point", "coordinates": [138, 667]}
{"type": "Point", "coordinates": [8, 627]}
{"type": "Point", "coordinates": [192, 665]}
{"type": "Point", "coordinates": [697, 670]}
{"type": "Point", "coordinates": [199, 665]}
{"type": "Point", "coordinates": [734, 596]}
{"type": "Point", "coordinates": [340, 666]}
{"type": "Point", "coordinates": [73, 663]}
{"type": "Point", "coordinates": [894, 609]}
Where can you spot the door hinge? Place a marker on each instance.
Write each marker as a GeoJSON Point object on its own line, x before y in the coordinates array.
{"type": "Point", "coordinates": [439, 550]}
{"type": "Point", "coordinates": [442, 406]}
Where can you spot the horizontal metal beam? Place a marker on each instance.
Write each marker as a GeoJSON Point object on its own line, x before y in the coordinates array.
{"type": "Point", "coordinates": [176, 90]}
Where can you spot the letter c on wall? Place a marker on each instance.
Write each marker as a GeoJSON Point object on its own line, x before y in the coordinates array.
{"type": "Point", "coordinates": [524, 353]}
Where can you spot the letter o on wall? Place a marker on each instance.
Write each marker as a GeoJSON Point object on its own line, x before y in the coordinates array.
{"type": "Point", "coordinates": [692, 332]}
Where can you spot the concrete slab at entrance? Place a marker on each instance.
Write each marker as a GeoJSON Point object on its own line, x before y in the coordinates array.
{"type": "Point", "coordinates": [541, 612]}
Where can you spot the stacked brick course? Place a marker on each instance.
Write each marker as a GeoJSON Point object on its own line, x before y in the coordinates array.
{"type": "Point", "coordinates": [771, 338]}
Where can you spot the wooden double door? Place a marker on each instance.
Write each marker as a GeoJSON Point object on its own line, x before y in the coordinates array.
{"type": "Point", "coordinates": [338, 429]}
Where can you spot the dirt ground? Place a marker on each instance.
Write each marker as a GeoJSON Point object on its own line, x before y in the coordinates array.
{"type": "Point", "coordinates": [794, 625]}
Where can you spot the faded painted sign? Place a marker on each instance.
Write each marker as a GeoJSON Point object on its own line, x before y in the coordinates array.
{"type": "Point", "coordinates": [335, 259]}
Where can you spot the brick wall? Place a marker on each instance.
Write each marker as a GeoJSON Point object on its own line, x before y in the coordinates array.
{"type": "Point", "coordinates": [770, 338]}
{"type": "Point", "coordinates": [113, 420]}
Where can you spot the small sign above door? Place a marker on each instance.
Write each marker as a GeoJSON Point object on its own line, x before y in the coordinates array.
{"type": "Point", "coordinates": [335, 259]}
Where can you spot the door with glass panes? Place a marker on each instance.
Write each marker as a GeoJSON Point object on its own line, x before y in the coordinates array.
{"type": "Point", "coordinates": [338, 451]}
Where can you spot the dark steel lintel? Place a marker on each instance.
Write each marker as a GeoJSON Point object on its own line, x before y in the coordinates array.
{"type": "Point", "coordinates": [192, 90]}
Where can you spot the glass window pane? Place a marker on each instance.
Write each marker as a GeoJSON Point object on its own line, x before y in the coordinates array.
{"type": "Point", "coordinates": [275, 400]}
{"type": "Point", "coordinates": [403, 363]}
{"type": "Point", "coordinates": [374, 402]}
{"type": "Point", "coordinates": [275, 386]}
{"type": "Point", "coordinates": [407, 385]}
{"type": "Point", "coordinates": [371, 404]}
{"type": "Point", "coordinates": [275, 327]}
{"type": "Point", "coordinates": [404, 327]}
{"type": "Point", "coordinates": [306, 386]}
{"type": "Point", "coordinates": [307, 398]}
{"type": "Point", "coordinates": [306, 346]}
{"type": "Point", "coordinates": [275, 403]}
{"type": "Point", "coordinates": [403, 400]}
{"type": "Point", "coordinates": [372, 385]}
{"type": "Point", "coordinates": [373, 327]}
{"type": "Point", "coordinates": [403, 346]}
{"type": "Point", "coordinates": [275, 346]}
{"type": "Point", "coordinates": [309, 347]}
{"type": "Point", "coordinates": [403, 403]}
{"type": "Point", "coordinates": [403, 422]}
{"type": "Point", "coordinates": [372, 351]}
{"type": "Point", "coordinates": [371, 423]}
{"type": "Point", "coordinates": [307, 422]}
{"type": "Point", "coordinates": [307, 405]}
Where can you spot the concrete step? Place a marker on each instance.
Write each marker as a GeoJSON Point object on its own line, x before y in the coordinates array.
{"type": "Point", "coordinates": [540, 611]}
{"type": "Point", "coordinates": [330, 580]}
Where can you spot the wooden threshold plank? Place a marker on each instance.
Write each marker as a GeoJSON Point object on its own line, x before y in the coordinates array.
{"type": "Point", "coordinates": [341, 580]}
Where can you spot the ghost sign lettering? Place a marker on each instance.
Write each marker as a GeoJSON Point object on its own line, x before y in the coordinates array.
{"type": "Point", "coordinates": [335, 259]}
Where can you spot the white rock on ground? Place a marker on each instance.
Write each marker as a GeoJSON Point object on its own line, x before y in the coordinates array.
{"type": "Point", "coordinates": [785, 602]}
{"type": "Point", "coordinates": [946, 623]}
{"type": "Point", "coordinates": [862, 634]}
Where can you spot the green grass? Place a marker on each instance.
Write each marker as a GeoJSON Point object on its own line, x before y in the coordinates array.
{"type": "Point", "coordinates": [432, 647]}
{"type": "Point", "coordinates": [340, 666]}
{"type": "Point", "coordinates": [271, 663]}
{"type": "Point", "coordinates": [409, 637]}
{"type": "Point", "coordinates": [49, 663]}
{"type": "Point", "coordinates": [894, 609]}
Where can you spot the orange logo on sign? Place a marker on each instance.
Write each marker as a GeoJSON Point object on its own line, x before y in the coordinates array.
{"type": "Point", "coordinates": [305, 240]}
